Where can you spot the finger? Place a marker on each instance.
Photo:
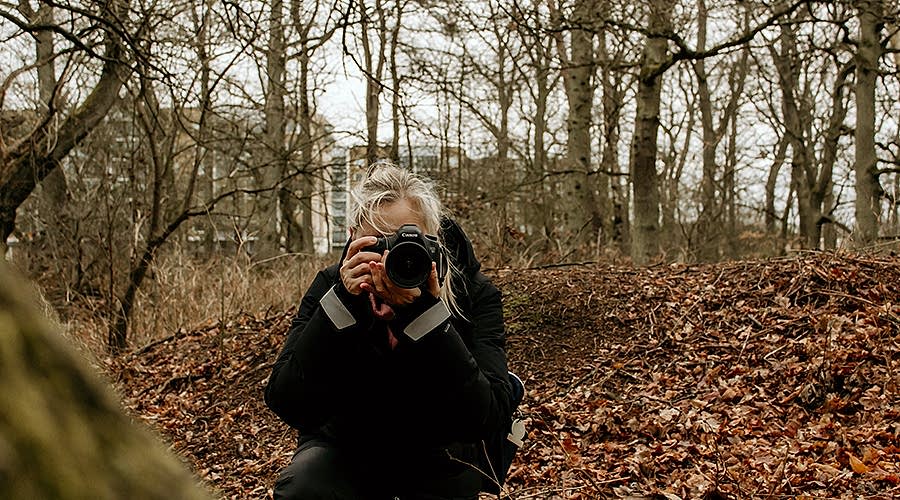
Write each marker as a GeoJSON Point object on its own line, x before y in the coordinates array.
{"type": "Point", "coordinates": [354, 272]}
{"type": "Point", "coordinates": [357, 266]}
{"type": "Point", "coordinates": [408, 296]}
{"type": "Point", "coordinates": [386, 281]}
{"type": "Point", "coordinates": [377, 271]}
{"type": "Point", "coordinates": [352, 276]}
{"type": "Point", "coordinates": [358, 244]}
{"type": "Point", "coordinates": [358, 285]}
{"type": "Point", "coordinates": [434, 286]}
{"type": "Point", "coordinates": [389, 286]}
{"type": "Point", "coordinates": [364, 278]}
{"type": "Point", "coordinates": [363, 258]}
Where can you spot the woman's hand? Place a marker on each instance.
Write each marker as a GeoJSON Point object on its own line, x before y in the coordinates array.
{"type": "Point", "coordinates": [356, 274]}
{"type": "Point", "coordinates": [382, 286]}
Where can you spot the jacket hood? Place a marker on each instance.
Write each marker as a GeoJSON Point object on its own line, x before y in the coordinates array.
{"type": "Point", "coordinates": [459, 248]}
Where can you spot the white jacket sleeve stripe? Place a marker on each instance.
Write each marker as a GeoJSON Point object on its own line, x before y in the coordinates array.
{"type": "Point", "coordinates": [336, 311]}
{"type": "Point", "coordinates": [427, 321]}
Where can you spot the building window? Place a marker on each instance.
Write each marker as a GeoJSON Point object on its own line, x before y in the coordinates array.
{"type": "Point", "coordinates": [338, 208]}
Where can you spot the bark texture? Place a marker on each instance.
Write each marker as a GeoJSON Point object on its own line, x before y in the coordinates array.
{"type": "Point", "coordinates": [868, 189]}
{"type": "Point", "coordinates": [62, 434]}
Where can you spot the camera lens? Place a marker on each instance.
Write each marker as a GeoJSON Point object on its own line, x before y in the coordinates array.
{"type": "Point", "coordinates": [408, 265]}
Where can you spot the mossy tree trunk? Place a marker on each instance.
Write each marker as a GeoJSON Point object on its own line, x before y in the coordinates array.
{"type": "Point", "coordinates": [62, 433]}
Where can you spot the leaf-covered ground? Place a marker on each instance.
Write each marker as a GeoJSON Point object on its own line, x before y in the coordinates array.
{"type": "Point", "coordinates": [774, 379]}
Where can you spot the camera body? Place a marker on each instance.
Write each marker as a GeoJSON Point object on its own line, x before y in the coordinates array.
{"type": "Point", "coordinates": [410, 255]}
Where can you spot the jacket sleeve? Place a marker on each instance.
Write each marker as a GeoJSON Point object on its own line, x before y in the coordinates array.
{"type": "Point", "coordinates": [314, 363]}
{"type": "Point", "coordinates": [470, 383]}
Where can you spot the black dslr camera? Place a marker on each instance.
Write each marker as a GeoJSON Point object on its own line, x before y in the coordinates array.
{"type": "Point", "coordinates": [408, 263]}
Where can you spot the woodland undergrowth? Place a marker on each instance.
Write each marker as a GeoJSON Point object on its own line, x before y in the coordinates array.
{"type": "Point", "coordinates": [771, 378]}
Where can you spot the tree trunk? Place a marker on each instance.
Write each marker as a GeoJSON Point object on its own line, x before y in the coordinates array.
{"type": "Point", "coordinates": [276, 154]}
{"type": "Point", "coordinates": [585, 218]}
{"type": "Point", "coordinates": [708, 220]}
{"type": "Point", "coordinates": [159, 142]}
{"type": "Point", "coordinates": [729, 189]}
{"type": "Point", "coordinates": [824, 185]}
{"type": "Point", "coordinates": [714, 217]}
{"type": "Point", "coordinates": [829, 231]}
{"type": "Point", "coordinates": [613, 96]}
{"type": "Point", "coordinates": [868, 188]}
{"type": "Point", "coordinates": [374, 70]}
{"type": "Point", "coordinates": [307, 175]}
{"type": "Point", "coordinates": [504, 101]}
{"type": "Point", "coordinates": [307, 179]}
{"type": "Point", "coordinates": [54, 199]}
{"type": "Point", "coordinates": [771, 182]}
{"type": "Point", "coordinates": [202, 154]}
{"type": "Point", "coordinates": [645, 184]}
{"type": "Point", "coordinates": [395, 81]}
{"type": "Point", "coordinates": [64, 435]}
{"type": "Point", "coordinates": [811, 177]}
{"type": "Point", "coordinates": [55, 210]}
{"type": "Point", "coordinates": [796, 126]}
{"type": "Point", "coordinates": [539, 210]}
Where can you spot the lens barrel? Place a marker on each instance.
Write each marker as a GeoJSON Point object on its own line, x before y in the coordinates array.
{"type": "Point", "coordinates": [408, 264]}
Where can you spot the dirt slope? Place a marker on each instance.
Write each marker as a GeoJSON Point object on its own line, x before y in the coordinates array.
{"type": "Point", "coordinates": [761, 378]}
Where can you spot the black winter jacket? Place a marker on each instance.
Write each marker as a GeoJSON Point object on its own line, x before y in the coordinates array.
{"type": "Point", "coordinates": [416, 405]}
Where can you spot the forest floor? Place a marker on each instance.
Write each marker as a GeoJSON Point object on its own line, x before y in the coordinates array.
{"type": "Point", "coordinates": [772, 378]}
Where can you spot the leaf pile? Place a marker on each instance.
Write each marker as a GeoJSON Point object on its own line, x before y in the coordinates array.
{"type": "Point", "coordinates": [763, 378]}
{"type": "Point", "coordinates": [203, 390]}
{"type": "Point", "coordinates": [775, 378]}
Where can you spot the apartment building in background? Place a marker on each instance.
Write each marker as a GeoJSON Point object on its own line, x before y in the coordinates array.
{"type": "Point", "coordinates": [348, 167]}
{"type": "Point", "coordinates": [113, 169]}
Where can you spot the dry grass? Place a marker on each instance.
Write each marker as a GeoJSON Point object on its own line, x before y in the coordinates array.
{"type": "Point", "coordinates": [184, 292]}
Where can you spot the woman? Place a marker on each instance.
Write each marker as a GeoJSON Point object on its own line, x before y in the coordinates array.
{"type": "Point", "coordinates": [395, 391]}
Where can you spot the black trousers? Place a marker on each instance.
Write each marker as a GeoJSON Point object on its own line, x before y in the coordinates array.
{"type": "Point", "coordinates": [320, 470]}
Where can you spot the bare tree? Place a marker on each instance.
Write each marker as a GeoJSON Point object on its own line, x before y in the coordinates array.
{"type": "Point", "coordinates": [611, 82]}
{"type": "Point", "coordinates": [175, 144]}
{"type": "Point", "coordinates": [813, 148]}
{"type": "Point", "coordinates": [715, 188]}
{"type": "Point", "coordinates": [771, 183]}
{"type": "Point", "coordinates": [676, 231]}
{"type": "Point", "coordinates": [28, 161]}
{"type": "Point", "coordinates": [374, 58]}
{"type": "Point", "coordinates": [483, 80]}
{"type": "Point", "coordinates": [312, 34]}
{"type": "Point", "coordinates": [539, 79]}
{"type": "Point", "coordinates": [655, 61]}
{"type": "Point", "coordinates": [288, 167]}
{"type": "Point", "coordinates": [276, 159]}
{"type": "Point", "coordinates": [394, 68]}
{"type": "Point", "coordinates": [868, 186]}
{"type": "Point", "coordinates": [578, 69]}
{"type": "Point", "coordinates": [645, 234]}
{"type": "Point", "coordinates": [53, 196]}
{"type": "Point", "coordinates": [204, 168]}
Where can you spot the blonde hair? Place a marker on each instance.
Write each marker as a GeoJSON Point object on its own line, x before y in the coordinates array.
{"type": "Point", "coordinates": [387, 183]}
